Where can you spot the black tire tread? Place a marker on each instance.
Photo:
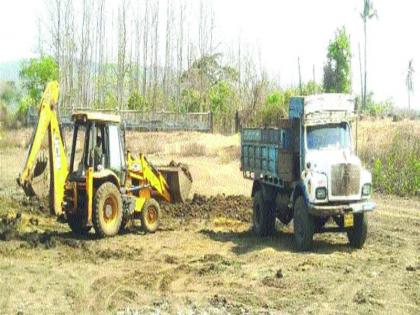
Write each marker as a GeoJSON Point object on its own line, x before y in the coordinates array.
{"type": "Point", "coordinates": [357, 236]}
{"type": "Point", "coordinates": [268, 217]}
{"type": "Point", "coordinates": [75, 223]}
{"type": "Point", "coordinates": [304, 220]}
{"type": "Point", "coordinates": [101, 193]}
{"type": "Point", "coordinates": [144, 224]}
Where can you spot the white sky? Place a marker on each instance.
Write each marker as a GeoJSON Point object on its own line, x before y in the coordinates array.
{"type": "Point", "coordinates": [283, 30]}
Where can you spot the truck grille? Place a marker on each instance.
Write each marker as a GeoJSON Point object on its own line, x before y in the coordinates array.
{"type": "Point", "coordinates": [345, 179]}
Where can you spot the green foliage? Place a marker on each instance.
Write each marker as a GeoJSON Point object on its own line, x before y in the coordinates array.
{"type": "Point", "coordinates": [9, 93]}
{"type": "Point", "coordinates": [22, 111]}
{"type": "Point", "coordinates": [110, 101]}
{"type": "Point", "coordinates": [136, 101]}
{"type": "Point", "coordinates": [275, 107]}
{"type": "Point", "coordinates": [397, 170]}
{"type": "Point", "coordinates": [190, 100]}
{"type": "Point", "coordinates": [337, 71]}
{"type": "Point", "coordinates": [275, 98]}
{"type": "Point", "coordinates": [221, 96]}
{"type": "Point", "coordinates": [311, 88]}
{"type": "Point", "coordinates": [36, 73]}
{"type": "Point", "coordinates": [207, 85]}
{"type": "Point", "coordinates": [378, 109]}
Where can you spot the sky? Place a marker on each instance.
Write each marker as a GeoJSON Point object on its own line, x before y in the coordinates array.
{"type": "Point", "coordinates": [283, 30]}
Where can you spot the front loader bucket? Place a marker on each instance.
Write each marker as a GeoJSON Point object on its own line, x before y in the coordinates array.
{"type": "Point", "coordinates": [179, 181]}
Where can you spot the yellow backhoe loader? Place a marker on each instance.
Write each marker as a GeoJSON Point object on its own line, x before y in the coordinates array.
{"type": "Point", "coordinates": [103, 186]}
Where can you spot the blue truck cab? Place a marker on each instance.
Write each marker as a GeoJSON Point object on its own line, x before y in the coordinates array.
{"type": "Point", "coordinates": [306, 169]}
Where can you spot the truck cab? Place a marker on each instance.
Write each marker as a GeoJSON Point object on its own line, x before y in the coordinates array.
{"type": "Point", "coordinates": [307, 170]}
{"type": "Point", "coordinates": [332, 175]}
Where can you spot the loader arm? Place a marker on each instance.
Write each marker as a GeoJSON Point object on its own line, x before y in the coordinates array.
{"type": "Point", "coordinates": [47, 124]}
{"type": "Point", "coordinates": [143, 171]}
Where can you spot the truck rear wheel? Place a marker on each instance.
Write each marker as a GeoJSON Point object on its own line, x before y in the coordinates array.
{"type": "Point", "coordinates": [263, 216]}
{"type": "Point", "coordinates": [107, 210]}
{"type": "Point", "coordinates": [303, 225]}
{"type": "Point", "coordinates": [357, 235]}
{"type": "Point", "coordinates": [150, 216]}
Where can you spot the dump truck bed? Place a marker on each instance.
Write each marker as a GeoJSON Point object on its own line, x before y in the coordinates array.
{"type": "Point", "coordinates": [269, 154]}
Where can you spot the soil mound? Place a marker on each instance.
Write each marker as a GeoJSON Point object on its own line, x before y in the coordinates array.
{"type": "Point", "coordinates": [233, 206]}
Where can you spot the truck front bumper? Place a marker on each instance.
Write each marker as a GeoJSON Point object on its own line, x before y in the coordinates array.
{"type": "Point", "coordinates": [355, 207]}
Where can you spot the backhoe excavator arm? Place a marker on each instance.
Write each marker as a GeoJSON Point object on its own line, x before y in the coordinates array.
{"type": "Point", "coordinates": [47, 124]}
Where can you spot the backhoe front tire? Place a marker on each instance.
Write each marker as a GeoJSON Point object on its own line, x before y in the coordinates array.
{"type": "Point", "coordinates": [263, 216]}
{"type": "Point", "coordinates": [150, 216]}
{"type": "Point", "coordinates": [303, 225]}
{"type": "Point", "coordinates": [107, 210]}
{"type": "Point", "coordinates": [357, 235]}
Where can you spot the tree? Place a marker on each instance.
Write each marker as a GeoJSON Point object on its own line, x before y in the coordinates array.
{"type": "Point", "coordinates": [337, 71]}
{"type": "Point", "coordinates": [36, 73]}
{"type": "Point", "coordinates": [137, 102]}
{"type": "Point", "coordinates": [368, 13]}
{"type": "Point", "coordinates": [9, 93]}
{"type": "Point", "coordinates": [409, 81]}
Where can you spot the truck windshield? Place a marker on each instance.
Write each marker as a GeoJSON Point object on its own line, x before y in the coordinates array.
{"type": "Point", "coordinates": [332, 136]}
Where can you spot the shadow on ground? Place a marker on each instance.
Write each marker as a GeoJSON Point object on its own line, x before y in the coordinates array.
{"type": "Point", "coordinates": [246, 242]}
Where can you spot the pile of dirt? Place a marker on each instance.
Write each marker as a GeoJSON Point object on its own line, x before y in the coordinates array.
{"type": "Point", "coordinates": [234, 207]}
{"type": "Point", "coordinates": [21, 227]}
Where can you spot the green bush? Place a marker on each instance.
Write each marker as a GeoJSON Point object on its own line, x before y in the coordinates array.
{"type": "Point", "coordinates": [397, 170]}
{"type": "Point", "coordinates": [136, 101]}
{"type": "Point", "coordinates": [378, 109]}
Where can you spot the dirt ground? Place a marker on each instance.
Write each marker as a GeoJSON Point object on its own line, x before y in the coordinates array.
{"type": "Point", "coordinates": [204, 259]}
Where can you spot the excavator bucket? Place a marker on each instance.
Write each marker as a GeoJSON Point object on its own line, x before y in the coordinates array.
{"type": "Point", "coordinates": [40, 165]}
{"type": "Point", "coordinates": [179, 180]}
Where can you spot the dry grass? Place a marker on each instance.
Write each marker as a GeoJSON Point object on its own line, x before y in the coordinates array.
{"type": "Point", "coordinates": [14, 138]}
{"type": "Point", "coordinates": [375, 136]}
{"type": "Point", "coordinates": [391, 150]}
{"type": "Point", "coordinates": [193, 149]}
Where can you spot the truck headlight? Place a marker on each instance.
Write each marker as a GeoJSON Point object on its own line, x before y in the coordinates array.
{"type": "Point", "coordinates": [321, 193]}
{"type": "Point", "coordinates": [366, 189]}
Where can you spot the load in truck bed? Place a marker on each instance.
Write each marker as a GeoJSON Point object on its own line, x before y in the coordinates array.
{"type": "Point", "coordinates": [270, 154]}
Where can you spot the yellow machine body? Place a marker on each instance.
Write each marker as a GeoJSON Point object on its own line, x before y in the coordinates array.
{"type": "Point", "coordinates": [48, 124]}
{"type": "Point", "coordinates": [74, 187]}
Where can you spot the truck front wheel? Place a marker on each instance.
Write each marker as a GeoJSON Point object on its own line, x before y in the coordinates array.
{"type": "Point", "coordinates": [263, 216]}
{"type": "Point", "coordinates": [150, 216]}
{"type": "Point", "coordinates": [357, 235]}
{"type": "Point", "coordinates": [303, 225]}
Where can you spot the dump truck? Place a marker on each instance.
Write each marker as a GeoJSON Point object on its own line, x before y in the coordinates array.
{"type": "Point", "coordinates": [104, 186]}
{"type": "Point", "coordinates": [306, 169]}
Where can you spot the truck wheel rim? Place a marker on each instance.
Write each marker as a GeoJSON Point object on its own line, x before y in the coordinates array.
{"type": "Point", "coordinates": [110, 210]}
{"type": "Point", "coordinates": [152, 215]}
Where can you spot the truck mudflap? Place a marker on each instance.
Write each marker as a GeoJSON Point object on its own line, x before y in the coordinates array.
{"type": "Point", "coordinates": [356, 207]}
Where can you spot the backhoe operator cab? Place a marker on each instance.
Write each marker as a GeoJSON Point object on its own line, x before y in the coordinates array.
{"type": "Point", "coordinates": [97, 143]}
{"type": "Point", "coordinates": [104, 188]}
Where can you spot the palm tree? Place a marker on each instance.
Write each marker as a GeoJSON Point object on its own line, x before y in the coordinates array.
{"type": "Point", "coordinates": [368, 13]}
{"type": "Point", "coordinates": [409, 80]}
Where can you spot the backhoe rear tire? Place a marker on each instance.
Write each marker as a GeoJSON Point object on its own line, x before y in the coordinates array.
{"type": "Point", "coordinates": [107, 210]}
{"type": "Point", "coordinates": [75, 223]}
{"type": "Point", "coordinates": [150, 216]}
{"type": "Point", "coordinates": [263, 216]}
{"type": "Point", "coordinates": [303, 225]}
